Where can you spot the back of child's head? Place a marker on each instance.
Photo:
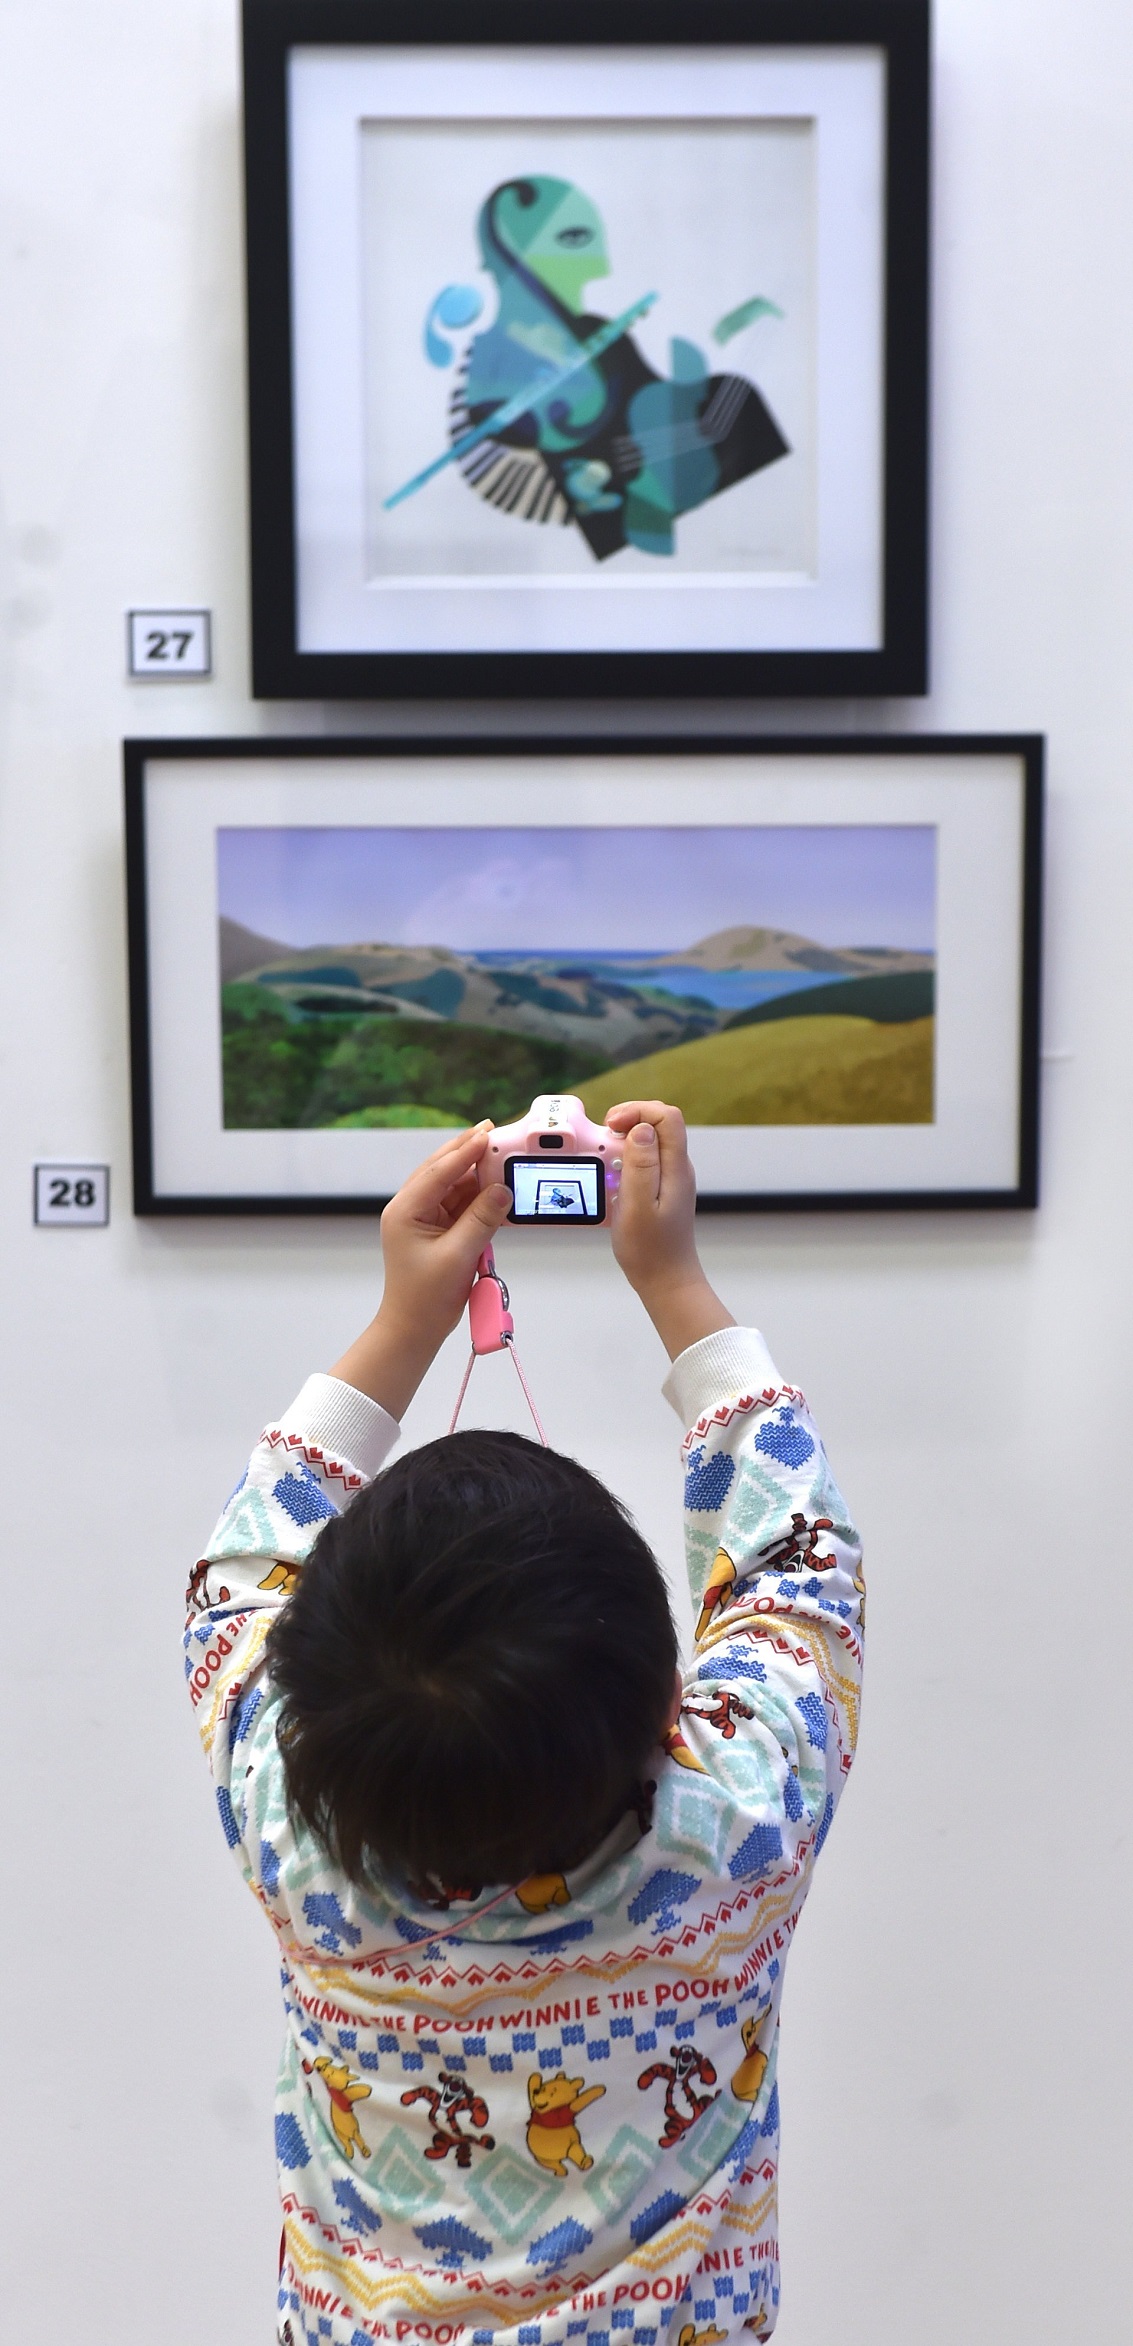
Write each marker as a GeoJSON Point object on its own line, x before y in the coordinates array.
{"type": "Point", "coordinates": [477, 1660]}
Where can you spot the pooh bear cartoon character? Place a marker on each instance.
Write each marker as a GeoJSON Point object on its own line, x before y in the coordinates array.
{"type": "Point", "coordinates": [717, 1589]}
{"type": "Point", "coordinates": [753, 2068]}
{"type": "Point", "coordinates": [282, 1578]}
{"type": "Point", "coordinates": [344, 2089]}
{"type": "Point", "coordinates": [541, 1891]}
{"type": "Point", "coordinates": [691, 2336]}
{"type": "Point", "coordinates": [680, 1750]}
{"type": "Point", "coordinates": [552, 2136]}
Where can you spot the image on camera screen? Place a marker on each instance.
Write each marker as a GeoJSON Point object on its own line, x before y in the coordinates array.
{"type": "Point", "coordinates": [560, 1196]}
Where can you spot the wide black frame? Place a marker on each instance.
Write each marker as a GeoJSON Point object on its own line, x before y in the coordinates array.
{"type": "Point", "coordinates": [1029, 748]}
{"type": "Point", "coordinates": [280, 670]}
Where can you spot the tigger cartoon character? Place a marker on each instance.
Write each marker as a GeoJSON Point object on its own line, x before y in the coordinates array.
{"type": "Point", "coordinates": [449, 2101]}
{"type": "Point", "coordinates": [717, 1589]}
{"type": "Point", "coordinates": [798, 1547]}
{"type": "Point", "coordinates": [344, 2089]}
{"type": "Point", "coordinates": [691, 2336]}
{"type": "Point", "coordinates": [541, 1891]}
{"type": "Point", "coordinates": [684, 2069]}
{"type": "Point", "coordinates": [726, 1709]}
{"type": "Point", "coordinates": [552, 2136]}
{"type": "Point", "coordinates": [281, 1578]}
{"type": "Point", "coordinates": [442, 1895]}
{"type": "Point", "coordinates": [196, 1600]}
{"type": "Point", "coordinates": [753, 2068]}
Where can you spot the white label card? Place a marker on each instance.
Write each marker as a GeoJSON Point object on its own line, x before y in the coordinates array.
{"type": "Point", "coordinates": [169, 644]}
{"type": "Point", "coordinates": [78, 1195]}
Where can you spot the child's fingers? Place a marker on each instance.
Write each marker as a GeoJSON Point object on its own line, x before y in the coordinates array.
{"type": "Point", "coordinates": [667, 1122]}
{"type": "Point", "coordinates": [427, 1184]}
{"type": "Point", "coordinates": [672, 1140]}
{"type": "Point", "coordinates": [660, 1113]}
{"type": "Point", "coordinates": [640, 1185]}
{"type": "Point", "coordinates": [483, 1215]}
{"type": "Point", "coordinates": [461, 1194]}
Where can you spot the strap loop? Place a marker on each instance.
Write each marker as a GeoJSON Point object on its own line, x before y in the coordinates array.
{"type": "Point", "coordinates": [493, 1330]}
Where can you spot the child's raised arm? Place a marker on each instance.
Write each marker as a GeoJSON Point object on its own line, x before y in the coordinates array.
{"type": "Point", "coordinates": [433, 1234]}
{"type": "Point", "coordinates": [311, 1462]}
{"type": "Point", "coordinates": [654, 1231]}
{"type": "Point", "coordinates": [770, 1706]}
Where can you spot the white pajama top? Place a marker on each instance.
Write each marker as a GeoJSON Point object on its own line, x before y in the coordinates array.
{"type": "Point", "coordinates": [517, 2117]}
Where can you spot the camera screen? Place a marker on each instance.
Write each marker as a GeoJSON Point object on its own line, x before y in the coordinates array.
{"type": "Point", "coordinates": [574, 1191]}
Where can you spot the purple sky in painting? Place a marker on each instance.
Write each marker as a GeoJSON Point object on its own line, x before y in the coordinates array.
{"type": "Point", "coordinates": [582, 890]}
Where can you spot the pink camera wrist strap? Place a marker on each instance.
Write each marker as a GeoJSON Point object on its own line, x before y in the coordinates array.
{"type": "Point", "coordinates": [493, 1330]}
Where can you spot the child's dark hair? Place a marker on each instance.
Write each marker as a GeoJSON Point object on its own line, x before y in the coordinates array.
{"type": "Point", "coordinates": [477, 1660]}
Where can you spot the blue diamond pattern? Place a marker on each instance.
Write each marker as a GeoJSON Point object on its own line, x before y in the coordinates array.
{"type": "Point", "coordinates": [708, 1481]}
{"type": "Point", "coordinates": [658, 2213]}
{"type": "Point", "coordinates": [784, 1439]}
{"type": "Point", "coordinates": [302, 1497]}
{"type": "Point", "coordinates": [290, 2148]}
{"type": "Point", "coordinates": [764, 1843]}
{"type": "Point", "coordinates": [812, 1711]}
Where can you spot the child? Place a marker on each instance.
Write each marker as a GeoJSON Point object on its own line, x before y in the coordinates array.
{"type": "Point", "coordinates": [533, 1890]}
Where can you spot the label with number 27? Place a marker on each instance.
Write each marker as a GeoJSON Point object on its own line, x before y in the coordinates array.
{"type": "Point", "coordinates": [170, 644]}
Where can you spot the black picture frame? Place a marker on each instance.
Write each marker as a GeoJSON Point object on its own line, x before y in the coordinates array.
{"type": "Point", "coordinates": [150, 1199]}
{"type": "Point", "coordinates": [897, 663]}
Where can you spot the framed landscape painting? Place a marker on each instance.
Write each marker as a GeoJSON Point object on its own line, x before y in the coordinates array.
{"type": "Point", "coordinates": [587, 347]}
{"type": "Point", "coordinates": [826, 952]}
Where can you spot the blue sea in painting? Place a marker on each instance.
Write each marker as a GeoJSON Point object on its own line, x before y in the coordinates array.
{"type": "Point", "coordinates": [725, 989]}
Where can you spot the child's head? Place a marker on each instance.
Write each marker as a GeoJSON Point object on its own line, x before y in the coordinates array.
{"type": "Point", "coordinates": [476, 1662]}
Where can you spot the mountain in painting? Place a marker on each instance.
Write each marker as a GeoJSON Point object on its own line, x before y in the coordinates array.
{"type": "Point", "coordinates": [242, 950]}
{"type": "Point", "coordinates": [536, 996]}
{"type": "Point", "coordinates": [759, 948]}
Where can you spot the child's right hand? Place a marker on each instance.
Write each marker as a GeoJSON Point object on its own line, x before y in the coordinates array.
{"type": "Point", "coordinates": [433, 1233]}
{"type": "Point", "coordinates": [654, 1226]}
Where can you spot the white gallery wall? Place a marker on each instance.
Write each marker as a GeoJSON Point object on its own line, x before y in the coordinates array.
{"type": "Point", "coordinates": [956, 2071]}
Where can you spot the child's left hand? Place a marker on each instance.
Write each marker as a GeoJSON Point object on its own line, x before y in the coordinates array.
{"type": "Point", "coordinates": [433, 1234]}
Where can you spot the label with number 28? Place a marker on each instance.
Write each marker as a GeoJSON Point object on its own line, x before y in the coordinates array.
{"type": "Point", "coordinates": [78, 1195]}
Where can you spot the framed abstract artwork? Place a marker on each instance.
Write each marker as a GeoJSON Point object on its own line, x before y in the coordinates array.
{"type": "Point", "coordinates": [587, 348]}
{"type": "Point", "coordinates": [825, 951]}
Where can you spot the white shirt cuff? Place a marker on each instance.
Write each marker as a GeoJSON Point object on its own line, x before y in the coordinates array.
{"type": "Point", "coordinates": [337, 1418]}
{"type": "Point", "coordinates": [734, 1360]}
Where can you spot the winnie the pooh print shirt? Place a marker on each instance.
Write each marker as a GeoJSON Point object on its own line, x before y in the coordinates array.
{"type": "Point", "coordinates": [518, 2116]}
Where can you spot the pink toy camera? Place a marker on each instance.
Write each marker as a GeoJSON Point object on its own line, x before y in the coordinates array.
{"type": "Point", "coordinates": [558, 1166]}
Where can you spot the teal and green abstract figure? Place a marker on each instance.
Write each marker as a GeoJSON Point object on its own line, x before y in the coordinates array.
{"type": "Point", "coordinates": [556, 416]}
